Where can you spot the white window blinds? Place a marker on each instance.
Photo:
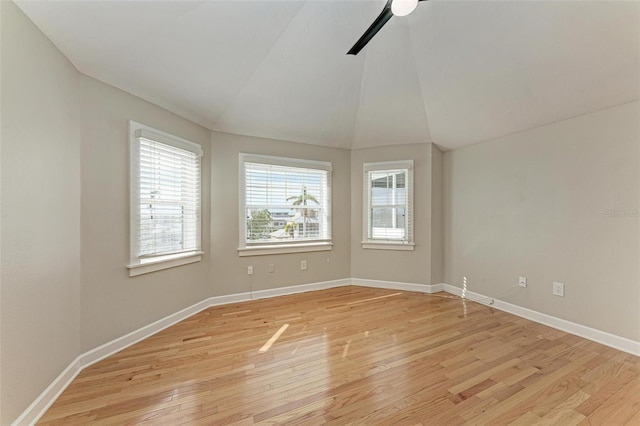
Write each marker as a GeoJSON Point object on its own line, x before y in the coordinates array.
{"type": "Point", "coordinates": [285, 200]}
{"type": "Point", "coordinates": [166, 195]}
{"type": "Point", "coordinates": [389, 202]}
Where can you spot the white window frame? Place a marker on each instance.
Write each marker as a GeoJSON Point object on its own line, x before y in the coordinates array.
{"type": "Point", "coordinates": [387, 244]}
{"type": "Point", "coordinates": [258, 249]}
{"type": "Point", "coordinates": [142, 265]}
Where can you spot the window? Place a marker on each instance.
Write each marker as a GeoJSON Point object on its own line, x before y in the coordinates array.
{"type": "Point", "coordinates": [388, 205]}
{"type": "Point", "coordinates": [285, 205]}
{"type": "Point", "coordinates": [165, 200]}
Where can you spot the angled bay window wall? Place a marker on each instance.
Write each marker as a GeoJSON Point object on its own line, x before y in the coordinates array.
{"type": "Point", "coordinates": [285, 205]}
{"type": "Point", "coordinates": [165, 201]}
{"type": "Point", "coordinates": [388, 192]}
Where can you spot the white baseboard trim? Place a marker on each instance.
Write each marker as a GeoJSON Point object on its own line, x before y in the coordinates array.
{"type": "Point", "coordinates": [33, 413]}
{"type": "Point", "coordinates": [261, 294]}
{"type": "Point", "coordinates": [38, 407]}
{"type": "Point", "coordinates": [598, 336]}
{"type": "Point", "coordinates": [393, 285]}
{"type": "Point", "coordinates": [116, 345]}
{"type": "Point", "coordinates": [42, 403]}
{"type": "Point", "coordinates": [469, 295]}
{"type": "Point", "coordinates": [617, 342]}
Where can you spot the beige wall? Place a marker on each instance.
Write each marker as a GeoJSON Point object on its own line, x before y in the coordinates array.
{"type": "Point", "coordinates": [530, 204]}
{"type": "Point", "coordinates": [65, 156]}
{"type": "Point", "coordinates": [229, 271]}
{"type": "Point", "coordinates": [437, 215]}
{"type": "Point", "coordinates": [40, 244]}
{"type": "Point", "coordinates": [535, 204]}
{"type": "Point", "coordinates": [393, 265]}
{"type": "Point", "coordinates": [114, 304]}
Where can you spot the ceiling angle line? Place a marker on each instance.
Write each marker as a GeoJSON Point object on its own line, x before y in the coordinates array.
{"type": "Point", "coordinates": [392, 7]}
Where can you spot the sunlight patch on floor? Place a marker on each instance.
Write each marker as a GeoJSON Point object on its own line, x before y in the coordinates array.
{"type": "Point", "coordinates": [273, 339]}
{"type": "Point", "coordinates": [373, 298]}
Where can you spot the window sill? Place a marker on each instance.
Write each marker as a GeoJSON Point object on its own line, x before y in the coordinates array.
{"type": "Point", "coordinates": [387, 245]}
{"type": "Point", "coordinates": [163, 262]}
{"type": "Point", "coordinates": [284, 248]}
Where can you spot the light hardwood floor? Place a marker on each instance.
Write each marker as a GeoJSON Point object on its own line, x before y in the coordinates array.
{"type": "Point", "coordinates": [356, 355]}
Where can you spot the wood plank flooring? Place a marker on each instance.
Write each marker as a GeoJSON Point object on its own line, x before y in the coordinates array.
{"type": "Point", "coordinates": [356, 355]}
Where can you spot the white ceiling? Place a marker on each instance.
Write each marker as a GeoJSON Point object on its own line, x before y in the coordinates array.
{"type": "Point", "coordinates": [453, 72]}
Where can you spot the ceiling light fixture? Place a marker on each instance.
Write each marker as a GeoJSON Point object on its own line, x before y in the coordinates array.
{"type": "Point", "coordinates": [403, 7]}
{"type": "Point", "coordinates": [391, 8]}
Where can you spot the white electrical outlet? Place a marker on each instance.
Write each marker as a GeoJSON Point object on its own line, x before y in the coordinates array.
{"type": "Point", "coordinates": [558, 289]}
{"type": "Point", "coordinates": [522, 282]}
{"type": "Point", "coordinates": [249, 270]}
{"type": "Point", "coordinates": [272, 268]}
{"type": "Point", "coordinates": [303, 265]}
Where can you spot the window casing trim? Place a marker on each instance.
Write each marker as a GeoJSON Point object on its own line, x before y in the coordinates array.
{"type": "Point", "coordinates": [164, 262]}
{"type": "Point", "coordinates": [379, 243]}
{"type": "Point", "coordinates": [144, 264]}
{"type": "Point", "coordinates": [387, 245]}
{"type": "Point", "coordinates": [302, 247]}
{"type": "Point", "coordinates": [284, 161]}
{"type": "Point", "coordinates": [262, 248]}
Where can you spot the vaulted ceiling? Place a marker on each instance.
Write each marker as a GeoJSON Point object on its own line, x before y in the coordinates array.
{"type": "Point", "coordinates": [453, 72]}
